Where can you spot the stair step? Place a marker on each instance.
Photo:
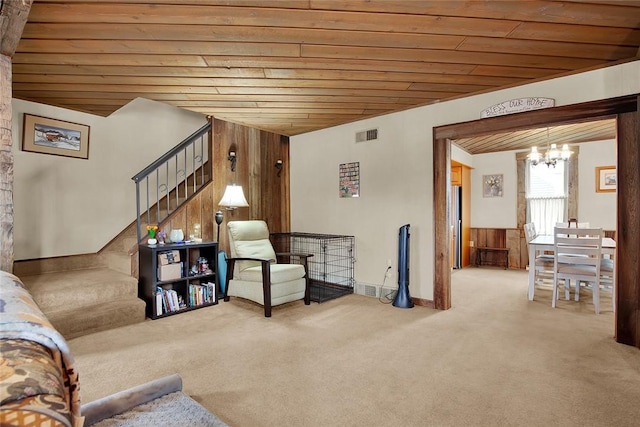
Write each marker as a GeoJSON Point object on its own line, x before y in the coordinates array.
{"type": "Point", "coordinates": [96, 318]}
{"type": "Point", "coordinates": [117, 261]}
{"type": "Point", "coordinates": [80, 302]}
{"type": "Point", "coordinates": [79, 288]}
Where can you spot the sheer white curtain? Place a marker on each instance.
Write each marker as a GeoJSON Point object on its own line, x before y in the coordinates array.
{"type": "Point", "coordinates": [545, 212]}
{"type": "Point", "coordinates": [546, 194]}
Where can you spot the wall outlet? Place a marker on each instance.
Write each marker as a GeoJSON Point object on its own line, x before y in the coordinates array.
{"type": "Point", "coordinates": [472, 243]}
{"type": "Point", "coordinates": [389, 262]}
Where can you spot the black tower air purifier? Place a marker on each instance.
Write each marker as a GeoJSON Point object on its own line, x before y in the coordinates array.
{"type": "Point", "coordinates": [403, 299]}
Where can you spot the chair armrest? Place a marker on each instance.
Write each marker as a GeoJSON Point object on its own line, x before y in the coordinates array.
{"type": "Point", "coordinates": [250, 259]}
{"type": "Point", "coordinates": [266, 271]}
{"type": "Point", "coordinates": [304, 258]}
{"type": "Point", "coordinates": [290, 254]}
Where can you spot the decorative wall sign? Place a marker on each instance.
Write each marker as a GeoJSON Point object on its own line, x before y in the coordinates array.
{"type": "Point", "coordinates": [606, 179]}
{"type": "Point", "coordinates": [492, 185]}
{"type": "Point", "coordinates": [51, 136]}
{"type": "Point", "coordinates": [350, 179]}
{"type": "Point", "coordinates": [517, 106]}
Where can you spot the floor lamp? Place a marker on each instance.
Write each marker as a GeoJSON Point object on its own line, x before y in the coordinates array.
{"type": "Point", "coordinates": [232, 198]}
{"type": "Point", "coordinates": [219, 217]}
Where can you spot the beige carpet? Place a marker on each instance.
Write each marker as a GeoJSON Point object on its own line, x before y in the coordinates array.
{"type": "Point", "coordinates": [493, 359]}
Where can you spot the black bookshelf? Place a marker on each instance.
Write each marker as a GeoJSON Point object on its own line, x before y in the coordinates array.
{"type": "Point", "coordinates": [184, 287]}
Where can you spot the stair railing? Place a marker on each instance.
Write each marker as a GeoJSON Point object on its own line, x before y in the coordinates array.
{"type": "Point", "coordinates": [164, 185]}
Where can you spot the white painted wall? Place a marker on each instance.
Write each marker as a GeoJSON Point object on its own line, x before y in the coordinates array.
{"type": "Point", "coordinates": [461, 156]}
{"type": "Point", "coordinates": [397, 172]}
{"type": "Point", "coordinates": [498, 212]}
{"type": "Point", "coordinates": [67, 206]}
{"type": "Point", "coordinates": [598, 209]}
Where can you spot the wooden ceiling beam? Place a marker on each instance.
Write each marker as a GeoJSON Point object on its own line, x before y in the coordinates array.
{"type": "Point", "coordinates": [217, 34]}
{"type": "Point", "coordinates": [277, 16]}
{"type": "Point", "coordinates": [164, 47]}
{"type": "Point", "coordinates": [536, 11]}
{"type": "Point", "coordinates": [190, 82]}
{"type": "Point", "coordinates": [238, 91]}
{"type": "Point", "coordinates": [557, 48]}
{"type": "Point", "coordinates": [230, 62]}
{"type": "Point", "coordinates": [576, 33]}
{"type": "Point", "coordinates": [458, 57]}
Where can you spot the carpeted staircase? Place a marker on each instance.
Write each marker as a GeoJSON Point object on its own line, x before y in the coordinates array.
{"type": "Point", "coordinates": [88, 293]}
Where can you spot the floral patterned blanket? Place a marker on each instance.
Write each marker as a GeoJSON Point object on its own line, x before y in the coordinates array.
{"type": "Point", "coordinates": [38, 378]}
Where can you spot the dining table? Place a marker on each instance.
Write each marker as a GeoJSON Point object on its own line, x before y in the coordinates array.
{"type": "Point", "coordinates": [544, 243]}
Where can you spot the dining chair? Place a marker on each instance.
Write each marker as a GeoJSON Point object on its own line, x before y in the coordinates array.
{"type": "Point", "coordinates": [573, 224]}
{"type": "Point", "coordinates": [543, 262]}
{"type": "Point", "coordinates": [577, 256]}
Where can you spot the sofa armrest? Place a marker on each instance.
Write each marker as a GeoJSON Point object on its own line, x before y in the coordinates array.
{"type": "Point", "coordinates": [125, 400]}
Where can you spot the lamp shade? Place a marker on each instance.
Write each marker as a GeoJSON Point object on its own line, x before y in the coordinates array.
{"type": "Point", "coordinates": [233, 197]}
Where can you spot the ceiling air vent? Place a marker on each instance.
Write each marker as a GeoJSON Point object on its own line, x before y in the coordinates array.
{"type": "Point", "coordinates": [367, 135]}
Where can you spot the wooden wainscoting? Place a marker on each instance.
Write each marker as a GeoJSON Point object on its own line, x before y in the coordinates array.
{"type": "Point", "coordinates": [510, 238]}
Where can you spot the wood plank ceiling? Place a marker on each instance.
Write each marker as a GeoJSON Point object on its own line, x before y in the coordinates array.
{"type": "Point", "coordinates": [574, 133]}
{"type": "Point", "coordinates": [293, 66]}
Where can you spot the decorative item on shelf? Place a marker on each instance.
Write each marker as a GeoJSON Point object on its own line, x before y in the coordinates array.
{"type": "Point", "coordinates": [203, 265]}
{"type": "Point", "coordinates": [552, 156]}
{"type": "Point", "coordinates": [152, 230]}
{"type": "Point", "coordinates": [195, 236]}
{"type": "Point", "coordinates": [176, 235]}
{"type": "Point", "coordinates": [162, 236]}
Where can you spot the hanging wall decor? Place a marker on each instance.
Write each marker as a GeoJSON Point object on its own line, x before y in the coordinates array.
{"type": "Point", "coordinates": [606, 179]}
{"type": "Point", "coordinates": [492, 185]}
{"type": "Point", "coordinates": [350, 179]}
{"type": "Point", "coordinates": [51, 136]}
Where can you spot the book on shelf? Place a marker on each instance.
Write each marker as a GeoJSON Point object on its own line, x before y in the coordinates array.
{"type": "Point", "coordinates": [211, 292]}
{"type": "Point", "coordinates": [200, 294]}
{"type": "Point", "coordinates": [158, 303]}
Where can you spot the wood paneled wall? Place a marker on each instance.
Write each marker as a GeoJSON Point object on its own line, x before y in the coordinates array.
{"type": "Point", "coordinates": [512, 238]}
{"type": "Point", "coordinates": [197, 212]}
{"type": "Point", "coordinates": [256, 155]}
{"type": "Point", "coordinates": [501, 238]}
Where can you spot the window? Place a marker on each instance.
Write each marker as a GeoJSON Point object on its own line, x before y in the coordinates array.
{"type": "Point", "coordinates": [546, 195]}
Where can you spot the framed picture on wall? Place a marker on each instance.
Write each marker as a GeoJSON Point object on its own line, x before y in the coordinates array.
{"type": "Point", "coordinates": [350, 179]}
{"type": "Point", "coordinates": [57, 137]}
{"type": "Point", "coordinates": [492, 185]}
{"type": "Point", "coordinates": [606, 179]}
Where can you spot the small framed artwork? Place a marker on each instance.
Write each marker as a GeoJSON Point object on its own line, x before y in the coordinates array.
{"type": "Point", "coordinates": [350, 179]}
{"type": "Point", "coordinates": [492, 185]}
{"type": "Point", "coordinates": [606, 179]}
{"type": "Point", "coordinates": [57, 137]}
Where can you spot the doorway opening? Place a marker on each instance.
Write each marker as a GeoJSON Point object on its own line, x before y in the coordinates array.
{"type": "Point", "coordinates": [624, 110]}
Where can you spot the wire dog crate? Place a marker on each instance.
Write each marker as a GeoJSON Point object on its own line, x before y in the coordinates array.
{"type": "Point", "coordinates": [330, 268]}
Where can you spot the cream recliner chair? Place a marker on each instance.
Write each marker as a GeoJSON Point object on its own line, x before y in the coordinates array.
{"type": "Point", "coordinates": [253, 272]}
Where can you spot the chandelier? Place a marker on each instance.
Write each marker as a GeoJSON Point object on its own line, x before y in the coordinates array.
{"type": "Point", "coordinates": [552, 156]}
